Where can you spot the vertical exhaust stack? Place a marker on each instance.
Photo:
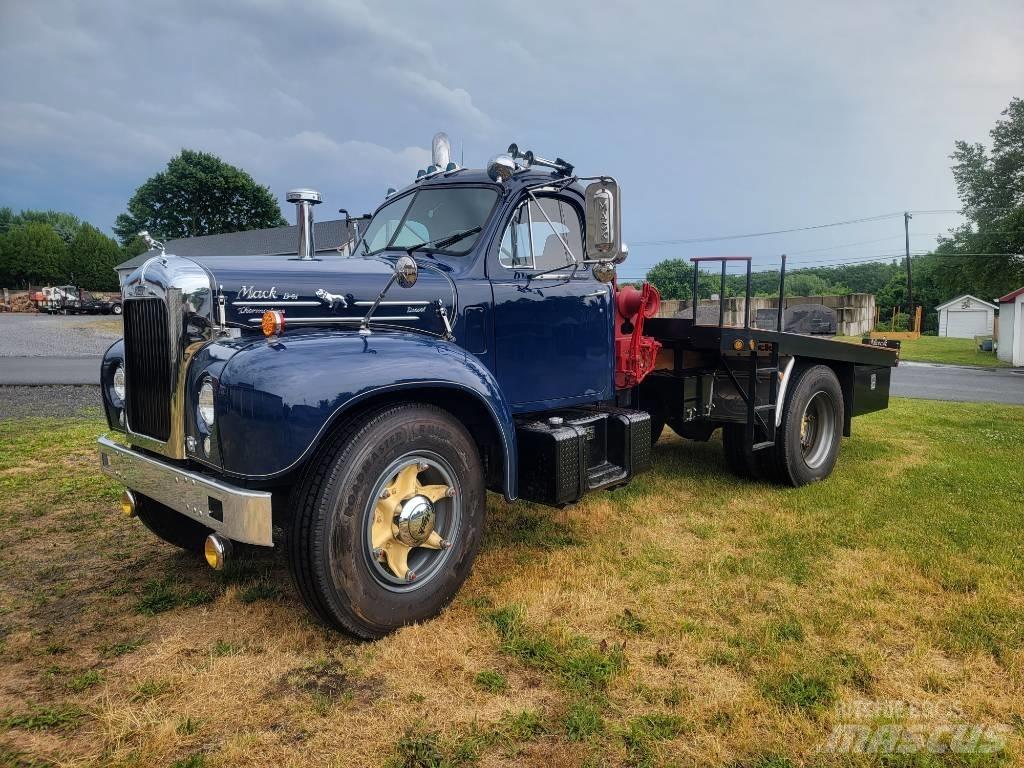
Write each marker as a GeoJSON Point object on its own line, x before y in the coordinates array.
{"type": "Point", "coordinates": [304, 200]}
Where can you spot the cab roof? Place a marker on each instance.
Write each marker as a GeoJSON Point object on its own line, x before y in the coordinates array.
{"type": "Point", "coordinates": [479, 176]}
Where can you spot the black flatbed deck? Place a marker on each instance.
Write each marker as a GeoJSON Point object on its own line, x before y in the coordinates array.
{"type": "Point", "coordinates": [683, 333]}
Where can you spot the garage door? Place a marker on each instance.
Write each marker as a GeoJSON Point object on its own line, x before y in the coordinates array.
{"type": "Point", "coordinates": [966, 324]}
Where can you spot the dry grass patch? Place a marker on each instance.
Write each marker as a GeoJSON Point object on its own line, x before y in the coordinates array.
{"type": "Point", "coordinates": [688, 619]}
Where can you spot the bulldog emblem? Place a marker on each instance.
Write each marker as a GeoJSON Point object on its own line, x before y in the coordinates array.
{"type": "Point", "coordinates": [332, 300]}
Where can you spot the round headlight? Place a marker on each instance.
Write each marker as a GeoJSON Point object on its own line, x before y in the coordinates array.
{"type": "Point", "coordinates": [119, 383]}
{"type": "Point", "coordinates": [206, 403]}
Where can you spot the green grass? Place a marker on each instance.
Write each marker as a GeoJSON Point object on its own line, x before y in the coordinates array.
{"type": "Point", "coordinates": [490, 681]}
{"type": "Point", "coordinates": [690, 618]}
{"type": "Point", "coordinates": [939, 349]}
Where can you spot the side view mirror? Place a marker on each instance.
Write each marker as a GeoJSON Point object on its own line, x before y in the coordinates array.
{"type": "Point", "coordinates": [406, 271]}
{"type": "Point", "coordinates": [604, 222]}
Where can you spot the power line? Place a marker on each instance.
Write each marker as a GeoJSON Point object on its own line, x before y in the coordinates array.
{"type": "Point", "coordinates": [717, 238]}
{"type": "Point", "coordinates": [845, 245]}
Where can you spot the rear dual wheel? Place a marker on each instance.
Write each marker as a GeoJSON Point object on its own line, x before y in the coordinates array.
{"type": "Point", "coordinates": [388, 520]}
{"type": "Point", "coordinates": [807, 439]}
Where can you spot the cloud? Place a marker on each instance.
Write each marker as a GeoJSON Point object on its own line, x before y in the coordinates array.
{"type": "Point", "coordinates": [454, 102]}
{"type": "Point", "coordinates": [713, 118]}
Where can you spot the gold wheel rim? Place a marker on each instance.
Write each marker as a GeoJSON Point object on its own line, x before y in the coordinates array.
{"type": "Point", "coordinates": [392, 543]}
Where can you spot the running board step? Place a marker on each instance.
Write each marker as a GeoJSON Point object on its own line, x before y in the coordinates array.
{"type": "Point", "coordinates": [763, 445]}
{"type": "Point", "coordinates": [765, 407]}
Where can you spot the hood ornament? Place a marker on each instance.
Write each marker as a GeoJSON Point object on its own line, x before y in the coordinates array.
{"type": "Point", "coordinates": [332, 300]}
{"type": "Point", "coordinates": [151, 242]}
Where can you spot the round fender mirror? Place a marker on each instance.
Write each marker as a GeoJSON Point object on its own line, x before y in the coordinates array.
{"type": "Point", "coordinates": [406, 271]}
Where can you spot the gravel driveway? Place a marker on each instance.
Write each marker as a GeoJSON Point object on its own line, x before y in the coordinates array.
{"type": "Point", "coordinates": [36, 335]}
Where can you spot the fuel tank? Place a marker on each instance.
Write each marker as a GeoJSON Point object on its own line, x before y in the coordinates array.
{"type": "Point", "coordinates": [329, 291]}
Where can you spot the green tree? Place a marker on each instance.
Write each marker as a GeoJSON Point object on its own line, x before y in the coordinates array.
{"type": "Point", "coordinates": [92, 257]}
{"type": "Point", "coordinates": [32, 253]}
{"type": "Point", "coordinates": [198, 194]}
{"type": "Point", "coordinates": [809, 284]}
{"type": "Point", "coordinates": [64, 224]}
{"type": "Point", "coordinates": [674, 280]}
{"type": "Point", "coordinates": [990, 184]}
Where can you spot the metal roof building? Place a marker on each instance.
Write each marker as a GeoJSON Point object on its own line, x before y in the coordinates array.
{"type": "Point", "coordinates": [330, 236]}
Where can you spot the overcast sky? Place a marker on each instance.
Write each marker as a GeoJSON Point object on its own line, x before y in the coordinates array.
{"type": "Point", "coordinates": [717, 118]}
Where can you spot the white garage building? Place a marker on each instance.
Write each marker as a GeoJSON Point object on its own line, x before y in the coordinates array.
{"type": "Point", "coordinates": [966, 317]}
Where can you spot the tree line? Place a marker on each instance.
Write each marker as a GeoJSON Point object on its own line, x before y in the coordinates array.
{"type": "Point", "coordinates": [52, 247]}
{"type": "Point", "coordinates": [197, 194]}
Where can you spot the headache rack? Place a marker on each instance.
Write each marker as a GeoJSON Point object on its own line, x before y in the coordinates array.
{"type": "Point", "coordinates": [744, 352]}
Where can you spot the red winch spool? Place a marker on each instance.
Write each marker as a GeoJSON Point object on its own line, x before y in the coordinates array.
{"type": "Point", "coordinates": [635, 353]}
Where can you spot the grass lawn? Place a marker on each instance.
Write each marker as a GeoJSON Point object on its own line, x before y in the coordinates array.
{"type": "Point", "coordinates": [689, 619]}
{"type": "Point", "coordinates": [937, 349]}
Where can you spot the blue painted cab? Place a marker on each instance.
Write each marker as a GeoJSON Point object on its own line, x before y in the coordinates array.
{"type": "Point", "coordinates": [531, 331]}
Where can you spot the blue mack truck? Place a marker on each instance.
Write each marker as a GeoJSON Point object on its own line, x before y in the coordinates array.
{"type": "Point", "coordinates": [356, 409]}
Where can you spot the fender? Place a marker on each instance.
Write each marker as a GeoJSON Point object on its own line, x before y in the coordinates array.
{"type": "Point", "coordinates": [276, 399]}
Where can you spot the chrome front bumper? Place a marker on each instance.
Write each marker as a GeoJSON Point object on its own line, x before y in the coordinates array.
{"type": "Point", "coordinates": [236, 513]}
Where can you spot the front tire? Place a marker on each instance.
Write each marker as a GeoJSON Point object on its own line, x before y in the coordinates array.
{"type": "Point", "coordinates": [364, 554]}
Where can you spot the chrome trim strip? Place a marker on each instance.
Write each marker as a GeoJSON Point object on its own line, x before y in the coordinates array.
{"type": "Point", "coordinates": [780, 396]}
{"type": "Point", "coordinates": [336, 320]}
{"type": "Point", "coordinates": [246, 515]}
{"type": "Point", "coordinates": [393, 304]}
{"type": "Point", "coordinates": [277, 303]}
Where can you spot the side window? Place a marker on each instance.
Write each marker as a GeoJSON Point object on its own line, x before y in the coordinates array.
{"type": "Point", "coordinates": [534, 237]}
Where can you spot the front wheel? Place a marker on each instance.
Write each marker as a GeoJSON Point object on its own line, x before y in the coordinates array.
{"type": "Point", "coordinates": [388, 520]}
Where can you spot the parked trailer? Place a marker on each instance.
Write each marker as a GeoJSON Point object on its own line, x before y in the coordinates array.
{"type": "Point", "coordinates": [355, 410]}
{"type": "Point", "coordinates": [72, 300]}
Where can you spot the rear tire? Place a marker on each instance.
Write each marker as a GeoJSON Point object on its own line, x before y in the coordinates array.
{"type": "Point", "coordinates": [173, 527]}
{"type": "Point", "coordinates": [335, 569]}
{"type": "Point", "coordinates": [808, 439]}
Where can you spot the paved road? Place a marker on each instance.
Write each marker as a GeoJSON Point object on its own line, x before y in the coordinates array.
{"type": "Point", "coordinates": [49, 370]}
{"type": "Point", "coordinates": [961, 383]}
{"type": "Point", "coordinates": [35, 335]}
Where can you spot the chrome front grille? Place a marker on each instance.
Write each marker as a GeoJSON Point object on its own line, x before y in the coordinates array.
{"type": "Point", "coordinates": [148, 368]}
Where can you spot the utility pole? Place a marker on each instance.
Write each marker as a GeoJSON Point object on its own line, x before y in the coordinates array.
{"type": "Point", "coordinates": [910, 280]}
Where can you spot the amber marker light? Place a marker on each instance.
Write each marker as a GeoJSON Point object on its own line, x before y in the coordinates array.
{"type": "Point", "coordinates": [273, 322]}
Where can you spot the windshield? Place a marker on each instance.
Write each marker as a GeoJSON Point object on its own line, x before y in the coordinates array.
{"type": "Point", "coordinates": [430, 215]}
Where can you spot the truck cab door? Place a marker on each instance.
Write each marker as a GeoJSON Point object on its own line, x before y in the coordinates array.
{"type": "Point", "coordinates": [552, 324]}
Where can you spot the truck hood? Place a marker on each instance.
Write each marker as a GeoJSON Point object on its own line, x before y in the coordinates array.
{"type": "Point", "coordinates": [329, 290]}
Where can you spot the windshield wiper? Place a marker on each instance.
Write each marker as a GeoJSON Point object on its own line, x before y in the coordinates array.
{"type": "Point", "coordinates": [443, 242]}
